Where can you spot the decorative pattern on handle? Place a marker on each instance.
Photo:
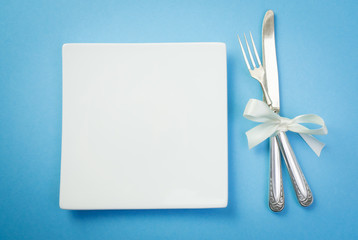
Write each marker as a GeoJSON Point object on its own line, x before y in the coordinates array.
{"type": "Point", "coordinates": [276, 193]}
{"type": "Point", "coordinates": [304, 201]}
{"type": "Point", "coordinates": [276, 206]}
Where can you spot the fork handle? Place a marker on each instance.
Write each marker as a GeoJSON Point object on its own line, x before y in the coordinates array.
{"type": "Point", "coordinates": [303, 191]}
{"type": "Point", "coordinates": [266, 95]}
{"type": "Point", "coordinates": [276, 194]}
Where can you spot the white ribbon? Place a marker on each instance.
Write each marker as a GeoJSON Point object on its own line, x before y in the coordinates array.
{"type": "Point", "coordinates": [272, 124]}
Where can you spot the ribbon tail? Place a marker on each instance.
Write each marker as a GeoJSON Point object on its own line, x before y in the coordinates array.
{"type": "Point", "coordinates": [314, 144]}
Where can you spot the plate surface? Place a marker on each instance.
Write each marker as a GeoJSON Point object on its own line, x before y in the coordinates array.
{"type": "Point", "coordinates": [144, 126]}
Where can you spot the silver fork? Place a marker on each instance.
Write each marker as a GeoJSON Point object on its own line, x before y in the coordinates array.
{"type": "Point", "coordinates": [276, 193]}
{"type": "Point", "coordinates": [258, 72]}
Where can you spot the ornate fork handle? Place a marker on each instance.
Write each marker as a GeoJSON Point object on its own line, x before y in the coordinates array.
{"type": "Point", "coordinates": [276, 193]}
{"type": "Point", "coordinates": [303, 191]}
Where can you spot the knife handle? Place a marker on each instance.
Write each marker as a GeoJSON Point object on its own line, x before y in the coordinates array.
{"type": "Point", "coordinates": [303, 191]}
{"type": "Point", "coordinates": [276, 194]}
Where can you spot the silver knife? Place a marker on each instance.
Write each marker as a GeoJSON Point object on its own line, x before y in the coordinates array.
{"type": "Point", "coordinates": [303, 191]}
{"type": "Point", "coordinates": [276, 192]}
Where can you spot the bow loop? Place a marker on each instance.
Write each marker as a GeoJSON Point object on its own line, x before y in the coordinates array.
{"type": "Point", "coordinates": [272, 124]}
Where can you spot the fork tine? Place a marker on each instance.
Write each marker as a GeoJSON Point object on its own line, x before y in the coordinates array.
{"type": "Point", "coordinates": [248, 48]}
{"type": "Point", "coordinates": [243, 52]}
{"type": "Point", "coordinates": [257, 56]}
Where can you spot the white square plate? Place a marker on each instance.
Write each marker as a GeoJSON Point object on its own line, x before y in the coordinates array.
{"type": "Point", "coordinates": [144, 126]}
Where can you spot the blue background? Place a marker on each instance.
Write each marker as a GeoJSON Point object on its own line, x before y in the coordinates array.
{"type": "Point", "coordinates": [317, 59]}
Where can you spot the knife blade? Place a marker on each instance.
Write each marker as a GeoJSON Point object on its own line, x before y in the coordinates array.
{"type": "Point", "coordinates": [269, 59]}
{"type": "Point", "coordinates": [303, 191]}
{"type": "Point", "coordinates": [276, 192]}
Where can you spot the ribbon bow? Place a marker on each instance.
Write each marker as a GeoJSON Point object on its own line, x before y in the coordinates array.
{"type": "Point", "coordinates": [272, 124]}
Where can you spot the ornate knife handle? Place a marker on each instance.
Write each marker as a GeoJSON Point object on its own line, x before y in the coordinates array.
{"type": "Point", "coordinates": [303, 191]}
{"type": "Point", "coordinates": [276, 194]}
